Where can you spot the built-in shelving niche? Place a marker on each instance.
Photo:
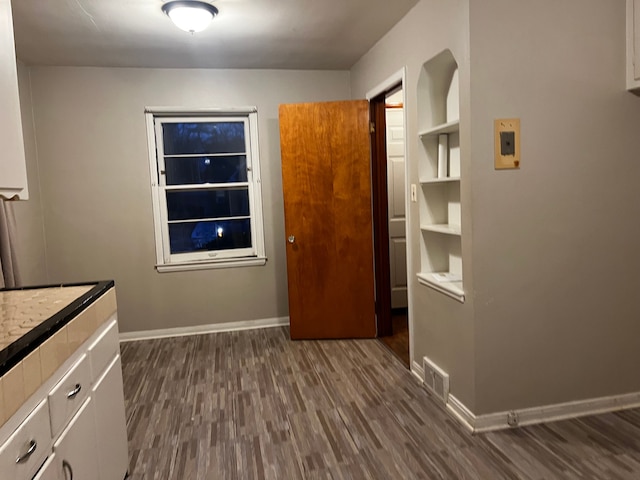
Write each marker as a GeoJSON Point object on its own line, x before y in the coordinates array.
{"type": "Point", "coordinates": [440, 176]}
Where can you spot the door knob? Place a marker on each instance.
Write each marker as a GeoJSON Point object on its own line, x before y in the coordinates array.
{"type": "Point", "coordinates": [291, 239]}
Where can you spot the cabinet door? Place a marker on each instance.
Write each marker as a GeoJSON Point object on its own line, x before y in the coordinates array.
{"type": "Point", "coordinates": [75, 450]}
{"type": "Point", "coordinates": [111, 428]}
{"type": "Point", "coordinates": [49, 470]}
{"type": "Point", "coordinates": [636, 39]}
{"type": "Point", "coordinates": [13, 173]}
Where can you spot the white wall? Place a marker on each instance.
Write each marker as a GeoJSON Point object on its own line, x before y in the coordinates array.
{"type": "Point", "coordinates": [94, 171]}
{"type": "Point", "coordinates": [551, 259]}
{"type": "Point", "coordinates": [555, 246]}
{"type": "Point", "coordinates": [443, 329]}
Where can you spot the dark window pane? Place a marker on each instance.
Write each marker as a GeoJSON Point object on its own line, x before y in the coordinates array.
{"type": "Point", "coordinates": [192, 170]}
{"type": "Point", "coordinates": [208, 204]}
{"type": "Point", "coordinates": [206, 236]}
{"type": "Point", "coordinates": [196, 138]}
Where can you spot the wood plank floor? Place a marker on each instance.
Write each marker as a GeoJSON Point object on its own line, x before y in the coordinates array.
{"type": "Point", "coordinates": [254, 405]}
{"type": "Point", "coordinates": [398, 341]}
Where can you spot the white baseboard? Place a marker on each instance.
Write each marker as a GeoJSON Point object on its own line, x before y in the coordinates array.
{"type": "Point", "coordinates": [204, 329]}
{"type": "Point", "coordinates": [460, 412]}
{"type": "Point", "coordinates": [417, 371]}
{"type": "Point", "coordinates": [547, 413]}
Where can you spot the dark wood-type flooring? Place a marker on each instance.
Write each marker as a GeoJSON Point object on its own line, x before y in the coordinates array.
{"type": "Point", "coordinates": [255, 405]}
{"type": "Point", "coordinates": [398, 342]}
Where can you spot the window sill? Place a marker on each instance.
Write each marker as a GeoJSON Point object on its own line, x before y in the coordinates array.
{"type": "Point", "coordinates": [208, 265]}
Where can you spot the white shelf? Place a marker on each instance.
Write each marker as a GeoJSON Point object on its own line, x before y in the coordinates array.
{"type": "Point", "coordinates": [449, 127]}
{"type": "Point", "coordinates": [440, 180]}
{"type": "Point", "coordinates": [439, 174]}
{"type": "Point", "coordinates": [451, 289]}
{"type": "Point", "coordinates": [442, 228]}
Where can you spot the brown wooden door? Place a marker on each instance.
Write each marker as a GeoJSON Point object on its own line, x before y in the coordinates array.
{"type": "Point", "coordinates": [326, 178]}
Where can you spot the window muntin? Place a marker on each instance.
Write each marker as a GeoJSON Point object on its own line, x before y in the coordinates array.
{"type": "Point", "coordinates": [197, 137]}
{"type": "Point", "coordinates": [184, 170]}
{"type": "Point", "coordinates": [210, 236]}
{"type": "Point", "coordinates": [207, 192]}
{"type": "Point", "coordinates": [211, 204]}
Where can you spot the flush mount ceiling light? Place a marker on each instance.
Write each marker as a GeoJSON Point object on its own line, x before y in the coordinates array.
{"type": "Point", "coordinates": [190, 15]}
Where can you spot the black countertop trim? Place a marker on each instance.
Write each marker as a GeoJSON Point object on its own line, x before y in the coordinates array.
{"type": "Point", "coordinates": [12, 354]}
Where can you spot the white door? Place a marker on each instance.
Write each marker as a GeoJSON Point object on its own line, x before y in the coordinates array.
{"type": "Point", "coordinates": [396, 191]}
{"type": "Point", "coordinates": [113, 457]}
{"type": "Point", "coordinates": [76, 455]}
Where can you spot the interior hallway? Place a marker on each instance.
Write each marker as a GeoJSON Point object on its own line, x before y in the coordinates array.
{"type": "Point", "coordinates": [254, 405]}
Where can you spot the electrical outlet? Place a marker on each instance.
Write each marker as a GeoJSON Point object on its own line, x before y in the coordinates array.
{"type": "Point", "coordinates": [513, 419]}
{"type": "Point", "coordinates": [507, 143]}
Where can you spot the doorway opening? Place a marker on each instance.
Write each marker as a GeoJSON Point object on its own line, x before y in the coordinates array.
{"type": "Point", "coordinates": [332, 232]}
{"type": "Point", "coordinates": [390, 203]}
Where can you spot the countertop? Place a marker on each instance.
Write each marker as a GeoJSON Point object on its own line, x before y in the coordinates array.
{"type": "Point", "coordinates": [30, 315]}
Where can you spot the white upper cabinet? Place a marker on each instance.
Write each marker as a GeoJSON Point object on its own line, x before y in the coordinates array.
{"type": "Point", "coordinates": [633, 46]}
{"type": "Point", "coordinates": [13, 172]}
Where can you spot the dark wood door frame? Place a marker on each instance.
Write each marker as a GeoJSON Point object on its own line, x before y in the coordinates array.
{"type": "Point", "coordinates": [380, 206]}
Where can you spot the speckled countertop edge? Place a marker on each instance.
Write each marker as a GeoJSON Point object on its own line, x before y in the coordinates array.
{"type": "Point", "coordinates": [18, 350]}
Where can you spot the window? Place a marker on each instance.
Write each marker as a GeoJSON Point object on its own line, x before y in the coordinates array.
{"type": "Point", "coordinates": [205, 181]}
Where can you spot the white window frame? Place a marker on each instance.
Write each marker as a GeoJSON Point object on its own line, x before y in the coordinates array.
{"type": "Point", "coordinates": [167, 262]}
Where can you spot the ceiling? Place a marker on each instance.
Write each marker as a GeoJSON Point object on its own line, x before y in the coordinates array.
{"type": "Point", "coordinates": [282, 34]}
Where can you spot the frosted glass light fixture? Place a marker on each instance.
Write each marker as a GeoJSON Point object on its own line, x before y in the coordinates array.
{"type": "Point", "coordinates": [190, 15]}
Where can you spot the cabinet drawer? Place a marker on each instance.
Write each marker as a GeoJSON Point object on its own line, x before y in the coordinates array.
{"type": "Point", "coordinates": [102, 351]}
{"type": "Point", "coordinates": [30, 443]}
{"type": "Point", "coordinates": [69, 393]}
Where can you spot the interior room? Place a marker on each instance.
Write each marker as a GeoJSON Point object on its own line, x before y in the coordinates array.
{"type": "Point", "coordinates": [459, 304]}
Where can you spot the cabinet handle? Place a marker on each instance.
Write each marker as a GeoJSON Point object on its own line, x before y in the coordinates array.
{"type": "Point", "coordinates": [67, 466]}
{"type": "Point", "coordinates": [74, 392]}
{"type": "Point", "coordinates": [25, 456]}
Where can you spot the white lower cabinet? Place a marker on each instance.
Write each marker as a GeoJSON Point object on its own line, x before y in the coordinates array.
{"type": "Point", "coordinates": [78, 429]}
{"type": "Point", "coordinates": [113, 456]}
{"type": "Point", "coordinates": [23, 453]}
{"type": "Point", "coordinates": [49, 470]}
{"type": "Point", "coordinates": [75, 450]}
